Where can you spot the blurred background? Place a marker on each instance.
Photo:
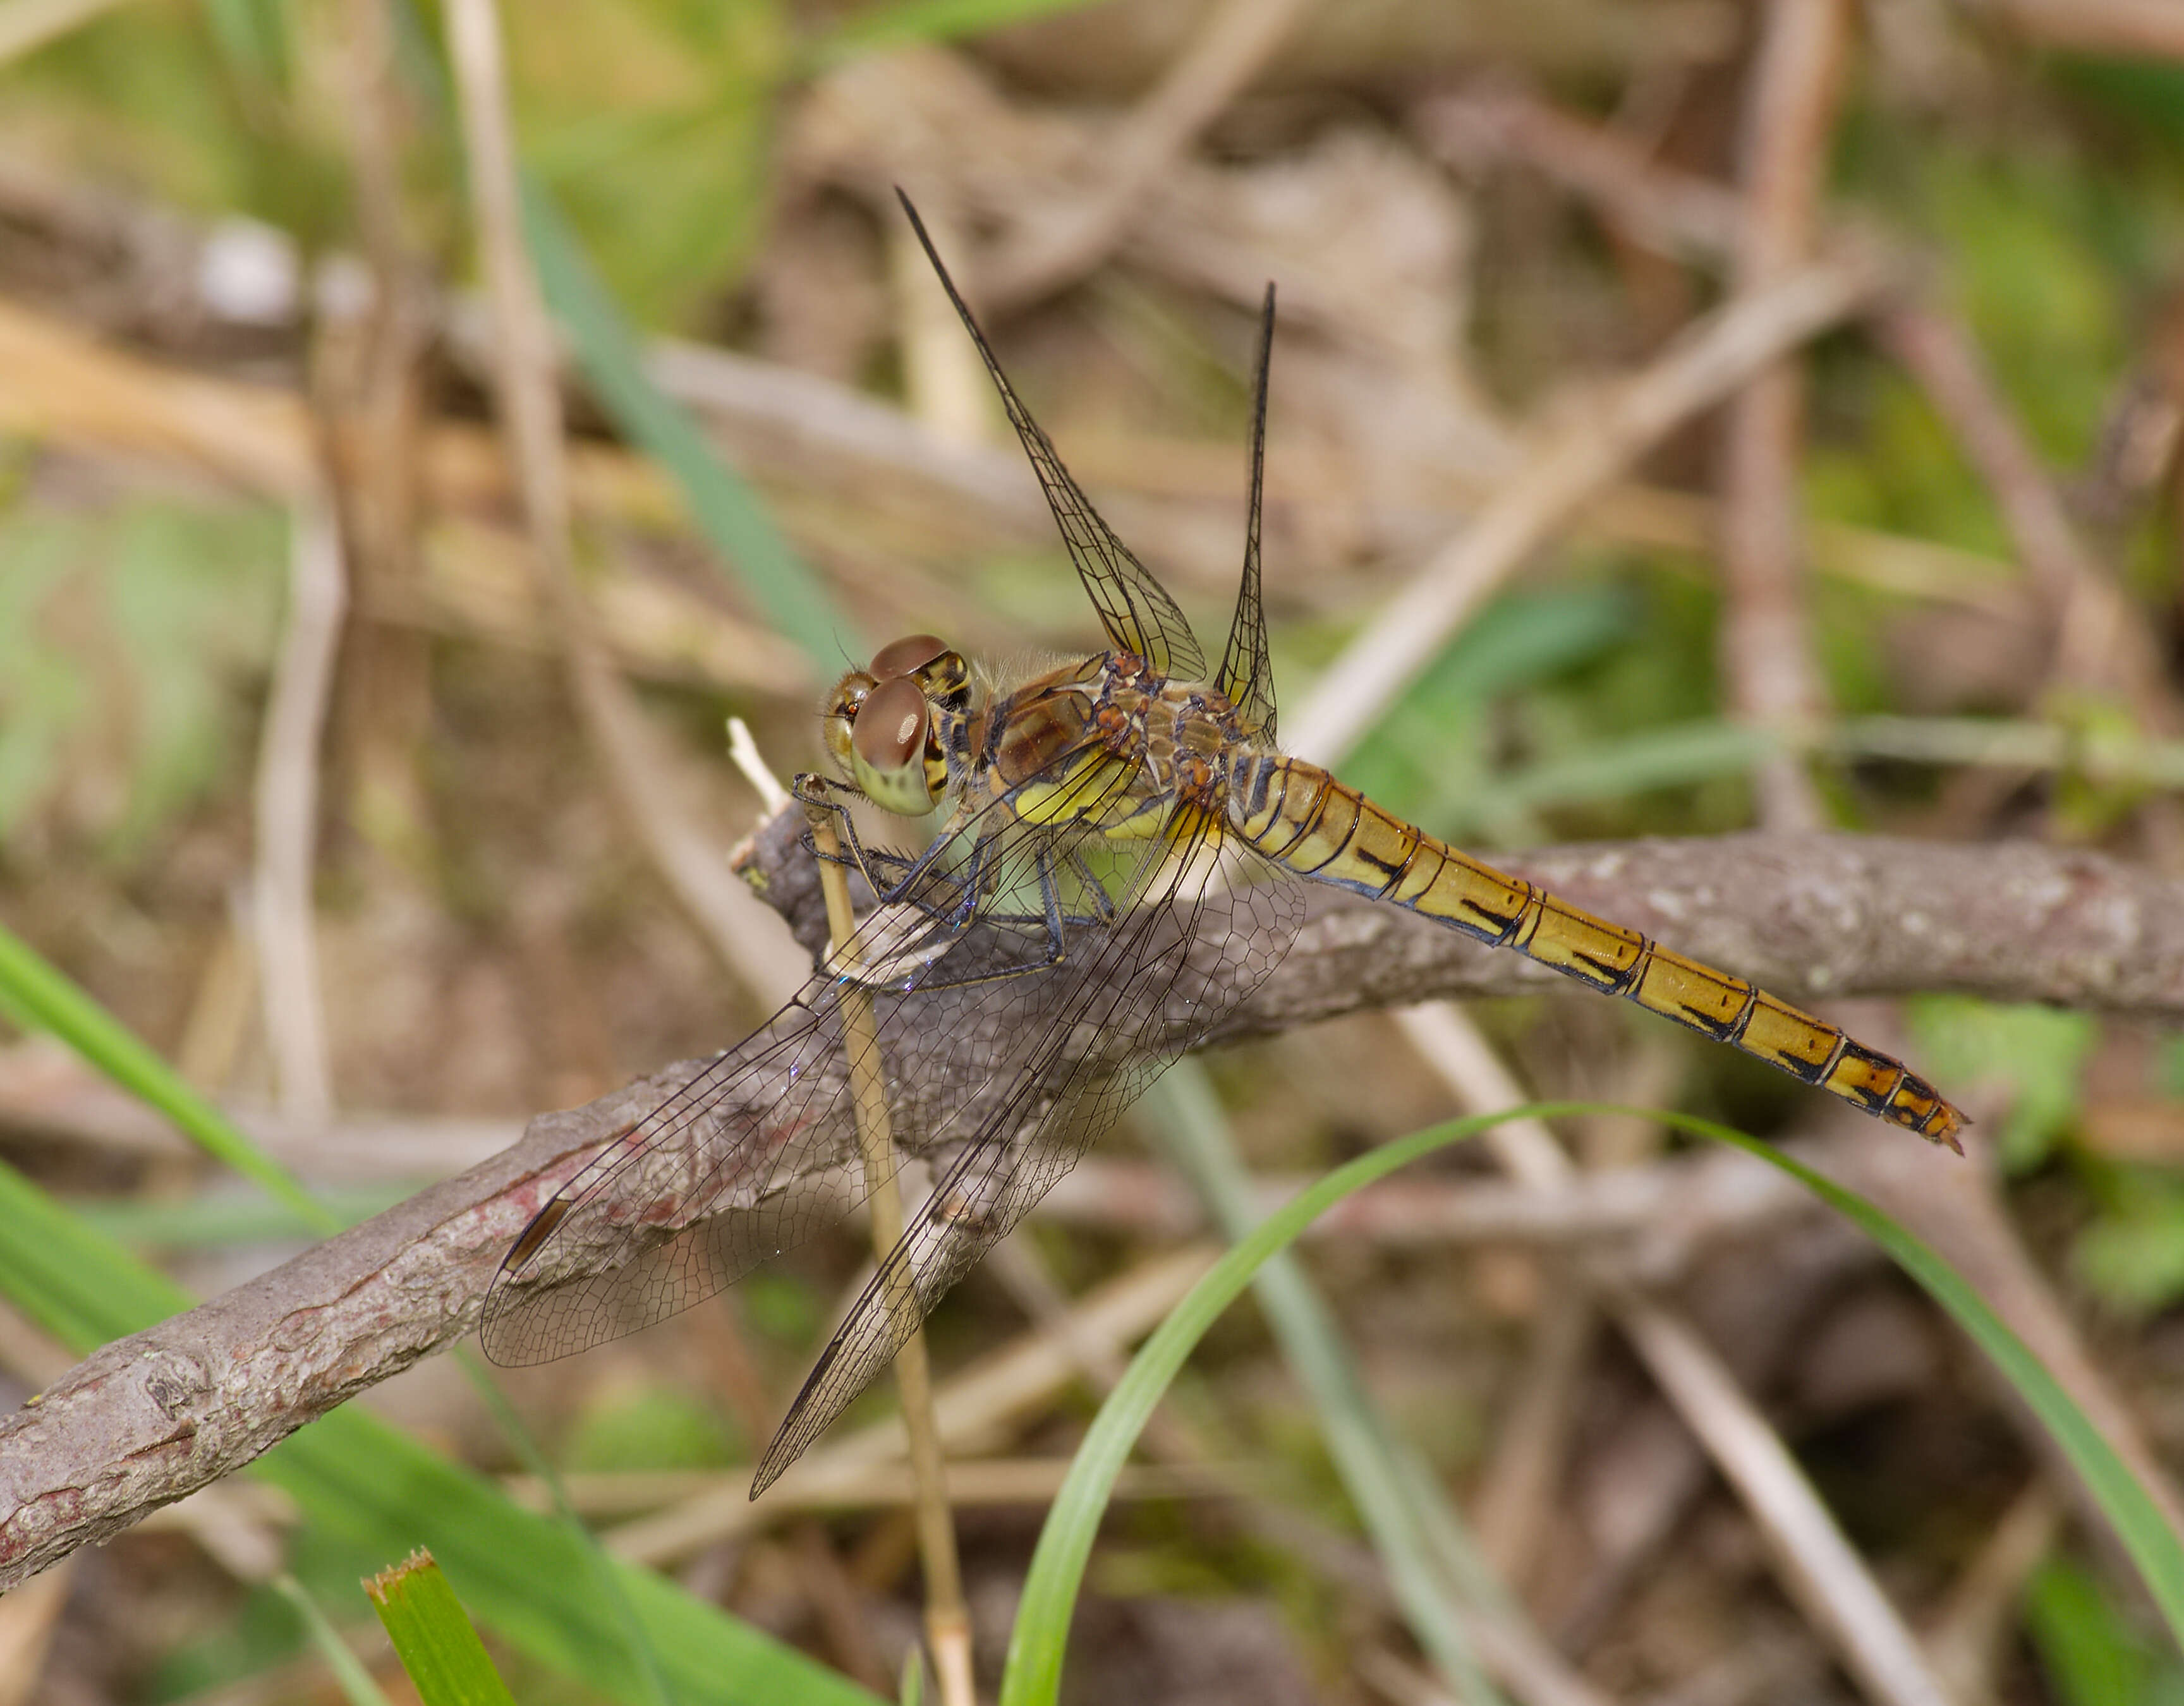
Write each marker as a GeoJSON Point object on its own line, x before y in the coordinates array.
{"type": "Point", "coordinates": [387, 795]}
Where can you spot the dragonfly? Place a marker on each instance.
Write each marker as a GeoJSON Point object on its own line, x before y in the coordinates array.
{"type": "Point", "coordinates": [1121, 860]}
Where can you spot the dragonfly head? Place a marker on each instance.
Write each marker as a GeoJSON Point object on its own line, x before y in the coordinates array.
{"type": "Point", "coordinates": [879, 725]}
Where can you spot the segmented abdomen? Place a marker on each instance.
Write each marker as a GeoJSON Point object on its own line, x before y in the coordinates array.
{"type": "Point", "coordinates": [1303, 819]}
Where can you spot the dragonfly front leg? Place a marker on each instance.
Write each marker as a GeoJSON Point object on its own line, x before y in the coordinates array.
{"type": "Point", "coordinates": [894, 879]}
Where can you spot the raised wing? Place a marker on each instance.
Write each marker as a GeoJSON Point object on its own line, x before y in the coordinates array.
{"type": "Point", "coordinates": [1184, 951]}
{"type": "Point", "coordinates": [1134, 608]}
{"type": "Point", "coordinates": [1246, 676]}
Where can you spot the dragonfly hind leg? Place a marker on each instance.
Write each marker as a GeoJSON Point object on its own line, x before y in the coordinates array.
{"type": "Point", "coordinates": [1050, 921]}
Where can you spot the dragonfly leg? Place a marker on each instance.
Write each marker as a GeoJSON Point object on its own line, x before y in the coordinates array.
{"type": "Point", "coordinates": [894, 877]}
{"type": "Point", "coordinates": [1050, 919]}
{"type": "Point", "coordinates": [1103, 903]}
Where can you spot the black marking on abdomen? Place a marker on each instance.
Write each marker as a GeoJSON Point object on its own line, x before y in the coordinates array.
{"type": "Point", "coordinates": [1797, 1069]}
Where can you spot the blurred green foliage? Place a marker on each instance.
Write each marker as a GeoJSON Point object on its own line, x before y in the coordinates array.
{"type": "Point", "coordinates": [2132, 1252]}
{"type": "Point", "coordinates": [264, 1629]}
{"type": "Point", "coordinates": [132, 635]}
{"type": "Point", "coordinates": [2038, 1054]}
{"type": "Point", "coordinates": [651, 122]}
{"type": "Point", "coordinates": [2090, 1653]}
{"type": "Point", "coordinates": [650, 1427]}
{"type": "Point", "coordinates": [133, 639]}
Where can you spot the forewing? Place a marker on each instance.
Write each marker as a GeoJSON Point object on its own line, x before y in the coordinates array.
{"type": "Point", "coordinates": [1135, 609]}
{"type": "Point", "coordinates": [1247, 675]}
{"type": "Point", "coordinates": [758, 1150]}
{"type": "Point", "coordinates": [1136, 993]}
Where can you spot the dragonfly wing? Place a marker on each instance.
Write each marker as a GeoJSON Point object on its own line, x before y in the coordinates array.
{"type": "Point", "coordinates": [1134, 993]}
{"type": "Point", "coordinates": [758, 1150]}
{"type": "Point", "coordinates": [1135, 609]}
{"type": "Point", "coordinates": [1246, 675]}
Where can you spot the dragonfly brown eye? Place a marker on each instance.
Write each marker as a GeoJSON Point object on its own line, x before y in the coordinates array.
{"type": "Point", "coordinates": [899, 657]}
{"type": "Point", "coordinates": [887, 748]}
{"type": "Point", "coordinates": [890, 725]}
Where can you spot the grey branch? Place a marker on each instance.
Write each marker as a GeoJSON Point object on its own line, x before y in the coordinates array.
{"type": "Point", "coordinates": [163, 1413]}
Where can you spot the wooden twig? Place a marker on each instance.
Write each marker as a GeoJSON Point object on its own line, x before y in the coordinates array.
{"type": "Point", "coordinates": [162, 1412]}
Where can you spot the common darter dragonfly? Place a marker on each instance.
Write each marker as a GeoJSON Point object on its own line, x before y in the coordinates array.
{"type": "Point", "coordinates": [1114, 872]}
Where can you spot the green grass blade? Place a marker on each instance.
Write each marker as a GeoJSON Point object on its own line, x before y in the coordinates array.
{"type": "Point", "coordinates": [1032, 1677]}
{"type": "Point", "coordinates": [726, 511]}
{"type": "Point", "coordinates": [1672, 756]}
{"type": "Point", "coordinates": [354, 1681]}
{"type": "Point", "coordinates": [634, 1638]}
{"type": "Point", "coordinates": [1379, 1477]}
{"type": "Point", "coordinates": [433, 1637]}
{"type": "Point", "coordinates": [526, 1576]}
{"type": "Point", "coordinates": [47, 997]}
{"type": "Point", "coordinates": [74, 1283]}
{"type": "Point", "coordinates": [1033, 1673]}
{"type": "Point", "coordinates": [2155, 1548]}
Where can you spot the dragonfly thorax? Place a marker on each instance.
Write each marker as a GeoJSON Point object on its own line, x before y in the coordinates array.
{"type": "Point", "coordinates": [880, 725]}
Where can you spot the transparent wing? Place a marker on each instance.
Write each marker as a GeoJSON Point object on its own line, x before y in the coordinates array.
{"type": "Point", "coordinates": [1247, 675]}
{"type": "Point", "coordinates": [1135, 609]}
{"type": "Point", "coordinates": [1109, 1021]}
{"type": "Point", "coordinates": [758, 1150]}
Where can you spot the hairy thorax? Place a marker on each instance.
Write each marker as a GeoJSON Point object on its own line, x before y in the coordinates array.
{"type": "Point", "coordinates": [1108, 746]}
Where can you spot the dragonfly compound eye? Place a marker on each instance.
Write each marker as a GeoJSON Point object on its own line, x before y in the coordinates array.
{"type": "Point", "coordinates": [904, 656]}
{"type": "Point", "coordinates": [887, 748]}
{"type": "Point", "coordinates": [839, 717]}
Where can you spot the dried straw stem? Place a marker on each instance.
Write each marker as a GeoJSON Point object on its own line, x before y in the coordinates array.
{"type": "Point", "coordinates": [947, 1623]}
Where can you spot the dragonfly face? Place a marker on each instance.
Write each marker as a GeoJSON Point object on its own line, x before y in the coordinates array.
{"type": "Point", "coordinates": [1031, 971]}
{"type": "Point", "coordinates": [884, 723]}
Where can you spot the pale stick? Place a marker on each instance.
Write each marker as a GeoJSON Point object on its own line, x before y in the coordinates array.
{"type": "Point", "coordinates": [947, 1624]}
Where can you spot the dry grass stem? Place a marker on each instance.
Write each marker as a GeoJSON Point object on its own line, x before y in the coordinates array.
{"type": "Point", "coordinates": [943, 380]}
{"type": "Point", "coordinates": [1522, 1477]}
{"type": "Point", "coordinates": [2152, 27]}
{"type": "Point", "coordinates": [1764, 639]}
{"type": "Point", "coordinates": [976, 1481]}
{"type": "Point", "coordinates": [743, 754]}
{"type": "Point", "coordinates": [26, 26]}
{"type": "Point", "coordinates": [1573, 464]}
{"type": "Point", "coordinates": [1818, 1567]}
{"type": "Point", "coordinates": [28, 1618]}
{"type": "Point", "coordinates": [947, 1622]}
{"type": "Point", "coordinates": [527, 389]}
{"type": "Point", "coordinates": [2102, 644]}
{"type": "Point", "coordinates": [1968, 1641]}
{"type": "Point", "coordinates": [1059, 243]}
{"type": "Point", "coordinates": [287, 818]}
{"type": "Point", "coordinates": [972, 1409]}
